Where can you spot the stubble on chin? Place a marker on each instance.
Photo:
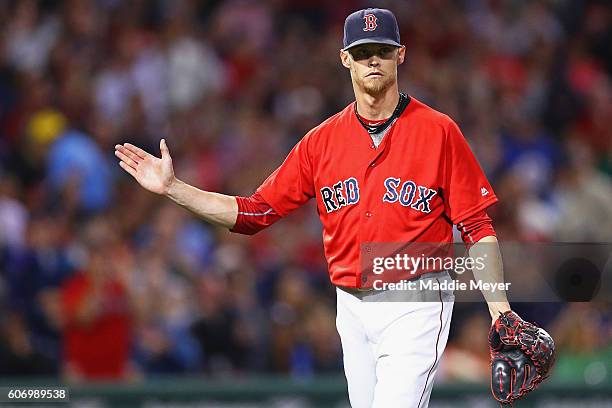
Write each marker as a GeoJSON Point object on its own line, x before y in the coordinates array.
{"type": "Point", "coordinates": [376, 87]}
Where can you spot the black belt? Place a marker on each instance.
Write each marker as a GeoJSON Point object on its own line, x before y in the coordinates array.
{"type": "Point", "coordinates": [361, 291]}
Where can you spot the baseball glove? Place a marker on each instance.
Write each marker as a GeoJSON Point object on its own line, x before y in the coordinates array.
{"type": "Point", "coordinates": [522, 355]}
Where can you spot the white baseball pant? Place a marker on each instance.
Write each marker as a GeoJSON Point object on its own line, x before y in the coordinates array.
{"type": "Point", "coordinates": [391, 349]}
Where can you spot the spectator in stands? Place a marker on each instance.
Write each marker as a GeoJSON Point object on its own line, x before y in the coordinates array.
{"type": "Point", "coordinates": [98, 331]}
{"type": "Point", "coordinates": [18, 355]}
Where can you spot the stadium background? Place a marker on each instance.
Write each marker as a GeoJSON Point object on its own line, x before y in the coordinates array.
{"type": "Point", "coordinates": [177, 310]}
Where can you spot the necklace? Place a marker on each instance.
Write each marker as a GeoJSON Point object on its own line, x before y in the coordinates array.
{"type": "Point", "coordinates": [404, 100]}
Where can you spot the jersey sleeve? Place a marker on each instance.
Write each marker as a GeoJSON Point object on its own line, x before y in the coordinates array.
{"type": "Point", "coordinates": [466, 189]}
{"type": "Point", "coordinates": [291, 185]}
{"type": "Point", "coordinates": [254, 214]}
{"type": "Point", "coordinates": [476, 227]}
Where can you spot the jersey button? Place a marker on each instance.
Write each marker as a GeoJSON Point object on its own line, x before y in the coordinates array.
{"type": "Point", "coordinates": [372, 146]}
{"type": "Point", "coordinates": [373, 164]}
{"type": "Point", "coordinates": [368, 214]}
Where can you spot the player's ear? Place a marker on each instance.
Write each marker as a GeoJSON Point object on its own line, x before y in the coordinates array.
{"type": "Point", "coordinates": [345, 58]}
{"type": "Point", "coordinates": [401, 54]}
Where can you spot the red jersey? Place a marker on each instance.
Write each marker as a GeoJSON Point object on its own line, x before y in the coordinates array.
{"type": "Point", "coordinates": [413, 187]}
{"type": "Point", "coordinates": [99, 349]}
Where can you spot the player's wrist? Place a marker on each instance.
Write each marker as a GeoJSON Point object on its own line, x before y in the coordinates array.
{"type": "Point", "coordinates": [172, 187]}
{"type": "Point", "coordinates": [497, 308]}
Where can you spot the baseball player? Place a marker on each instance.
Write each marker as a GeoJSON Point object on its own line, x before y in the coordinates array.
{"type": "Point", "coordinates": [387, 168]}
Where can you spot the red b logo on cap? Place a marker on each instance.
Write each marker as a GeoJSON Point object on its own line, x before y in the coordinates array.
{"type": "Point", "coordinates": [370, 22]}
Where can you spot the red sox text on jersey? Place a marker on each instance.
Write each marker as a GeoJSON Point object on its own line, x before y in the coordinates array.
{"type": "Point", "coordinates": [422, 179]}
{"type": "Point", "coordinates": [347, 193]}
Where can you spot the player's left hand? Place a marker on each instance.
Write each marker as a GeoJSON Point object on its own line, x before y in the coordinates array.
{"type": "Point", "coordinates": [522, 355]}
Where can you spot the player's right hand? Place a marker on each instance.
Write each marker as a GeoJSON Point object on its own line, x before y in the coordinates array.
{"type": "Point", "coordinates": [153, 173]}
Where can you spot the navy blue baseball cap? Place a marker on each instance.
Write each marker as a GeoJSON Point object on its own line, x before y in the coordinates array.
{"type": "Point", "coordinates": [371, 25]}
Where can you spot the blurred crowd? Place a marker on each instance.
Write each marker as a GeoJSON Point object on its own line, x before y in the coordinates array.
{"type": "Point", "coordinates": [100, 279]}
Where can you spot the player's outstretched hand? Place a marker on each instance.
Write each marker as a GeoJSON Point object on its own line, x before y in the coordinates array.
{"type": "Point", "coordinates": [153, 173]}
